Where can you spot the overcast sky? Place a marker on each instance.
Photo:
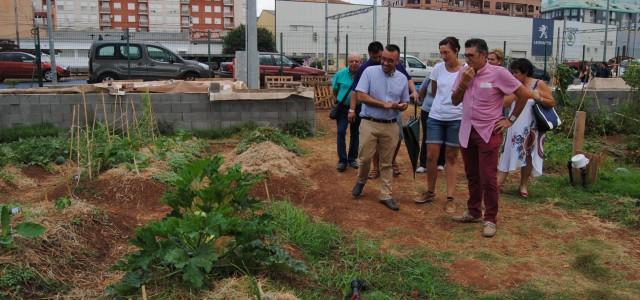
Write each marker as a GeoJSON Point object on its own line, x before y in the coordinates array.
{"type": "Point", "coordinates": [270, 4]}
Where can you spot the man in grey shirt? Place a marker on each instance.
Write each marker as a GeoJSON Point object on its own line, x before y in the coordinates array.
{"type": "Point", "coordinates": [383, 92]}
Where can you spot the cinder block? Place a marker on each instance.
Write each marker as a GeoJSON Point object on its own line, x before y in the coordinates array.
{"type": "Point", "coordinates": [29, 99]}
{"type": "Point", "coordinates": [180, 108]}
{"type": "Point", "coordinates": [70, 99]}
{"type": "Point", "coordinates": [169, 117]}
{"type": "Point", "coordinates": [162, 107]}
{"type": "Point", "coordinates": [182, 125]}
{"type": "Point", "coordinates": [9, 99]}
{"type": "Point", "coordinates": [196, 116]}
{"type": "Point", "coordinates": [194, 98]}
{"type": "Point", "coordinates": [4, 109]}
{"type": "Point", "coordinates": [201, 125]}
{"type": "Point", "coordinates": [61, 109]}
{"type": "Point", "coordinates": [200, 107]}
{"type": "Point", "coordinates": [230, 116]}
{"type": "Point", "coordinates": [287, 116]}
{"type": "Point", "coordinates": [48, 99]}
{"type": "Point", "coordinates": [296, 106]}
{"type": "Point", "coordinates": [31, 118]}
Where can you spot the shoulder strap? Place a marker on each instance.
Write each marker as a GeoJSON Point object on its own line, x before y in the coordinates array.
{"type": "Point", "coordinates": [535, 85]}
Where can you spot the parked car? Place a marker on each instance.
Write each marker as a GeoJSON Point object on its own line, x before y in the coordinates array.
{"type": "Point", "coordinates": [416, 68]}
{"type": "Point", "coordinates": [624, 65]}
{"type": "Point", "coordinates": [15, 64]}
{"type": "Point", "coordinates": [541, 74]}
{"type": "Point", "coordinates": [270, 66]}
{"type": "Point", "coordinates": [147, 61]}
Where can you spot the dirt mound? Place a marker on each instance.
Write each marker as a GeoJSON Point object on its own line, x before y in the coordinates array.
{"type": "Point", "coordinates": [35, 172]}
{"type": "Point", "coordinates": [269, 158]}
{"type": "Point", "coordinates": [13, 179]}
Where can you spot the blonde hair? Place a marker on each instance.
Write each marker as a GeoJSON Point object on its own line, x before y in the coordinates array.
{"type": "Point", "coordinates": [498, 53]}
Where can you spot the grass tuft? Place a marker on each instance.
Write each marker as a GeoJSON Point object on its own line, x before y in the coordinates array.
{"type": "Point", "coordinates": [589, 265]}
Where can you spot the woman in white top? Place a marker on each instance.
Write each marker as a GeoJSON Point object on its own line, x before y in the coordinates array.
{"type": "Point", "coordinates": [443, 123]}
{"type": "Point", "coordinates": [523, 145]}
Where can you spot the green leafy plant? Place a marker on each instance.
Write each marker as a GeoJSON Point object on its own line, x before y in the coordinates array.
{"type": "Point", "coordinates": [564, 77]}
{"type": "Point", "coordinates": [263, 134]}
{"type": "Point", "coordinates": [215, 228]}
{"type": "Point", "coordinates": [33, 151]}
{"type": "Point", "coordinates": [22, 132]}
{"type": "Point", "coordinates": [23, 282]}
{"type": "Point", "coordinates": [23, 229]}
{"type": "Point", "coordinates": [298, 128]}
{"type": "Point", "coordinates": [632, 75]}
{"type": "Point", "coordinates": [62, 203]}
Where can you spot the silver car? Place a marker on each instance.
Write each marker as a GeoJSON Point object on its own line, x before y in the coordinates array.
{"type": "Point", "coordinates": [110, 60]}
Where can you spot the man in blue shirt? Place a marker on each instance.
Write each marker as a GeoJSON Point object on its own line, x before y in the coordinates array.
{"type": "Point", "coordinates": [341, 85]}
{"type": "Point", "coordinates": [375, 53]}
{"type": "Point", "coordinates": [383, 92]}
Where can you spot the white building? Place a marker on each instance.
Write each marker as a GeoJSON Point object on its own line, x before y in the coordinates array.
{"type": "Point", "coordinates": [164, 16]}
{"type": "Point", "coordinates": [298, 21]}
{"type": "Point", "coordinates": [76, 14]}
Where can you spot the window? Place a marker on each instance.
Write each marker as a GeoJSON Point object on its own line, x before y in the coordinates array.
{"type": "Point", "coordinates": [498, 5]}
{"type": "Point", "coordinates": [266, 60]}
{"type": "Point", "coordinates": [227, 9]}
{"type": "Point", "coordinates": [218, 21]}
{"type": "Point", "coordinates": [131, 6]}
{"type": "Point", "coordinates": [414, 63]}
{"type": "Point", "coordinates": [160, 54]}
{"type": "Point", "coordinates": [195, 20]}
{"type": "Point", "coordinates": [217, 9]}
{"type": "Point", "coordinates": [185, 21]}
{"type": "Point", "coordinates": [487, 4]}
{"type": "Point", "coordinates": [133, 53]}
{"type": "Point", "coordinates": [117, 18]}
{"type": "Point", "coordinates": [131, 19]}
{"type": "Point", "coordinates": [207, 8]}
{"type": "Point", "coordinates": [117, 6]}
{"type": "Point", "coordinates": [207, 20]}
{"type": "Point", "coordinates": [108, 51]}
{"type": "Point", "coordinates": [530, 8]}
{"type": "Point", "coordinates": [195, 8]}
{"type": "Point", "coordinates": [285, 60]}
{"type": "Point", "coordinates": [5, 56]}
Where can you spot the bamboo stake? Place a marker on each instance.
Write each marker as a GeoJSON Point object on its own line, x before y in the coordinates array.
{"type": "Point", "coordinates": [266, 188]}
{"type": "Point", "coordinates": [86, 124]}
{"type": "Point", "coordinates": [121, 116]}
{"type": "Point", "coordinates": [73, 122]}
{"type": "Point", "coordinates": [126, 115]}
{"type": "Point", "coordinates": [115, 110]}
{"type": "Point", "coordinates": [93, 135]}
{"type": "Point", "coordinates": [135, 118]}
{"type": "Point", "coordinates": [144, 292]}
{"type": "Point", "coordinates": [78, 137]}
{"type": "Point", "coordinates": [106, 120]}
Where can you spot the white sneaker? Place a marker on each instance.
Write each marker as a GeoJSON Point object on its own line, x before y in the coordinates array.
{"type": "Point", "coordinates": [421, 170]}
{"type": "Point", "coordinates": [440, 168]}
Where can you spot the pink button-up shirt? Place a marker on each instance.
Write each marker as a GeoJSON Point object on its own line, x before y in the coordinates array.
{"type": "Point", "coordinates": [483, 100]}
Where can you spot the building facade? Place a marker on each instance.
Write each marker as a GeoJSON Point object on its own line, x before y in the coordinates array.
{"type": "Point", "coordinates": [514, 8]}
{"type": "Point", "coordinates": [8, 19]}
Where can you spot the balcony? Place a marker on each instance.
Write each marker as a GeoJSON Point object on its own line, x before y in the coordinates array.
{"type": "Point", "coordinates": [184, 11]}
{"type": "Point", "coordinates": [144, 23]}
{"type": "Point", "coordinates": [184, 1]}
{"type": "Point", "coordinates": [228, 2]}
{"type": "Point", "coordinates": [143, 11]}
{"type": "Point", "coordinates": [228, 14]}
{"type": "Point", "coordinates": [105, 9]}
{"type": "Point", "coordinates": [143, 1]}
{"type": "Point", "coordinates": [105, 22]}
{"type": "Point", "coordinates": [228, 25]}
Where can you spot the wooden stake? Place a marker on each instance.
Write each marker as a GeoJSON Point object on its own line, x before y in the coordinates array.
{"type": "Point", "coordinates": [73, 122]}
{"type": "Point", "coordinates": [126, 115]}
{"type": "Point", "coordinates": [106, 120]}
{"type": "Point", "coordinates": [135, 118]}
{"type": "Point", "coordinates": [266, 188]}
{"type": "Point", "coordinates": [115, 110]}
{"type": "Point", "coordinates": [86, 123]}
{"type": "Point", "coordinates": [78, 136]}
{"type": "Point", "coordinates": [578, 133]}
{"type": "Point", "coordinates": [144, 292]}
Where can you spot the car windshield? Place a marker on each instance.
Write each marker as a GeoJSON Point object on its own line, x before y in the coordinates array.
{"type": "Point", "coordinates": [285, 60]}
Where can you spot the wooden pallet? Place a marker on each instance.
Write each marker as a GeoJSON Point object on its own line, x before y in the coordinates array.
{"type": "Point", "coordinates": [280, 82]}
{"type": "Point", "coordinates": [313, 80]}
{"type": "Point", "coordinates": [323, 95]}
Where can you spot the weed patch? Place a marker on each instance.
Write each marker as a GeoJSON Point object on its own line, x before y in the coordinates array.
{"type": "Point", "coordinates": [263, 134]}
{"type": "Point", "coordinates": [227, 132]}
{"type": "Point", "coordinates": [298, 128]}
{"type": "Point", "coordinates": [33, 151]}
{"type": "Point", "coordinates": [18, 281]}
{"type": "Point", "coordinates": [24, 132]}
{"type": "Point", "coordinates": [590, 266]}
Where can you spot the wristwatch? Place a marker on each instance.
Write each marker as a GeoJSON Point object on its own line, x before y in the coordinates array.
{"type": "Point", "coordinates": [351, 110]}
{"type": "Point", "coordinates": [512, 118]}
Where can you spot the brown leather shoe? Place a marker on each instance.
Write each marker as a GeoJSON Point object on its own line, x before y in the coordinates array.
{"type": "Point", "coordinates": [374, 174]}
{"type": "Point", "coordinates": [389, 203]}
{"type": "Point", "coordinates": [425, 197]}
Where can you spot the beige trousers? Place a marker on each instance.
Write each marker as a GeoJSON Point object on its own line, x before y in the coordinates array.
{"type": "Point", "coordinates": [382, 137]}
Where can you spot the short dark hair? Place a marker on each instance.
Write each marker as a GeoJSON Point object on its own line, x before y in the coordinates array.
{"type": "Point", "coordinates": [393, 48]}
{"type": "Point", "coordinates": [522, 65]}
{"type": "Point", "coordinates": [479, 44]}
{"type": "Point", "coordinates": [375, 47]}
{"type": "Point", "coordinates": [452, 42]}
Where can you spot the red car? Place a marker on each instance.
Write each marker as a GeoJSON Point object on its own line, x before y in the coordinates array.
{"type": "Point", "coordinates": [22, 65]}
{"type": "Point", "coordinates": [270, 66]}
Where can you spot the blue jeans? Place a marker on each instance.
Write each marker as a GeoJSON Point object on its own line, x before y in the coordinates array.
{"type": "Point", "coordinates": [423, 145]}
{"type": "Point", "coordinates": [342, 123]}
{"type": "Point", "coordinates": [446, 132]}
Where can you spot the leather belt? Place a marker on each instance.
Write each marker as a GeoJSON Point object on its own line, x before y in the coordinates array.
{"type": "Point", "coordinates": [379, 120]}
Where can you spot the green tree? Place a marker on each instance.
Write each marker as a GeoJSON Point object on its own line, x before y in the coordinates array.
{"type": "Point", "coordinates": [632, 75]}
{"type": "Point", "coordinates": [234, 40]}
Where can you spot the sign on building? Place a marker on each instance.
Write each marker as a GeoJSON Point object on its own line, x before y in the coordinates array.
{"type": "Point", "coordinates": [393, 3]}
{"type": "Point", "coordinates": [541, 37]}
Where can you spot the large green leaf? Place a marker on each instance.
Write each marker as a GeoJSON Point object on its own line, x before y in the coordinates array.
{"type": "Point", "coordinates": [5, 220]}
{"type": "Point", "coordinates": [30, 230]}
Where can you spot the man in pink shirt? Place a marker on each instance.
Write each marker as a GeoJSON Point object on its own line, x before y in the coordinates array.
{"type": "Point", "coordinates": [482, 87]}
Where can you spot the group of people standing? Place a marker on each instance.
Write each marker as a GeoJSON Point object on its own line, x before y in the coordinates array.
{"type": "Point", "coordinates": [463, 109]}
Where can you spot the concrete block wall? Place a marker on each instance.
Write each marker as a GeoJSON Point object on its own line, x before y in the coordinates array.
{"type": "Point", "coordinates": [185, 111]}
{"type": "Point", "coordinates": [606, 101]}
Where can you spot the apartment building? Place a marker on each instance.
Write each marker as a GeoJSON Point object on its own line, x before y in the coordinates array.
{"type": "Point", "coordinates": [621, 12]}
{"type": "Point", "coordinates": [194, 16]}
{"type": "Point", "coordinates": [514, 8]}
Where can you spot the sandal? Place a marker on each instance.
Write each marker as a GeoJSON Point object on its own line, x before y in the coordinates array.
{"type": "Point", "coordinates": [524, 194]}
{"type": "Point", "coordinates": [450, 206]}
{"type": "Point", "coordinates": [374, 174]}
{"type": "Point", "coordinates": [396, 170]}
{"type": "Point", "coordinates": [426, 197]}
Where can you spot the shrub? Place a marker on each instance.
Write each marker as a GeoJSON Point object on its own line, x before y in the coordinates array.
{"type": "Point", "coordinates": [298, 128]}
{"type": "Point", "coordinates": [29, 131]}
{"type": "Point", "coordinates": [33, 151]}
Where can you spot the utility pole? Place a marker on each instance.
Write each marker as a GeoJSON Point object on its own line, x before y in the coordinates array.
{"type": "Point", "coordinates": [253, 68]}
{"type": "Point", "coordinates": [326, 36]}
{"type": "Point", "coordinates": [338, 45]}
{"type": "Point", "coordinates": [606, 30]}
{"type": "Point", "coordinates": [564, 35]}
{"type": "Point", "coordinates": [375, 17]}
{"type": "Point", "coordinates": [635, 32]}
{"type": "Point", "coordinates": [52, 48]}
{"type": "Point", "coordinates": [338, 17]}
{"type": "Point", "coordinates": [15, 12]}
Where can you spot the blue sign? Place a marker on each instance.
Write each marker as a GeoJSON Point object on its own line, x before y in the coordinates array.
{"type": "Point", "coordinates": [541, 37]}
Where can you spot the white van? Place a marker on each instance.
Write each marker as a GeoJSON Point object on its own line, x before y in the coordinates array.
{"type": "Point", "coordinates": [416, 68]}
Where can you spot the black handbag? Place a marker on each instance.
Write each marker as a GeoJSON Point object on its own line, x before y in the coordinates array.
{"type": "Point", "coordinates": [333, 113]}
{"type": "Point", "coordinates": [546, 117]}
